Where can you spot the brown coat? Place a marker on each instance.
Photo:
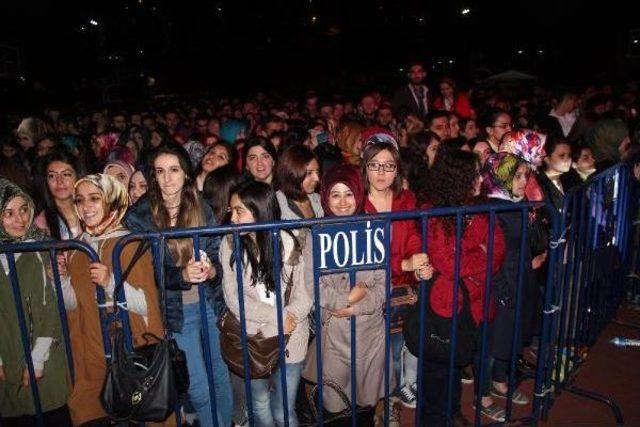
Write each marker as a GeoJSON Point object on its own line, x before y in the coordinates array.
{"type": "Point", "coordinates": [336, 340]}
{"type": "Point", "coordinates": [85, 331]}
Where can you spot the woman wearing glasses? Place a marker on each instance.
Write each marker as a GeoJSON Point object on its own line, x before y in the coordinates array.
{"type": "Point", "coordinates": [383, 186]}
{"type": "Point", "coordinates": [496, 123]}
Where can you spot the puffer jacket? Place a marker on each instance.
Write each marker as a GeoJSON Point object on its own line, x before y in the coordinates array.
{"type": "Point", "coordinates": [138, 219]}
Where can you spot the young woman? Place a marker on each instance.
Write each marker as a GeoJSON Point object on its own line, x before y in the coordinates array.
{"type": "Point", "coordinates": [298, 175]}
{"type": "Point", "coordinates": [260, 159]}
{"type": "Point", "coordinates": [137, 186]}
{"type": "Point", "coordinates": [256, 202]}
{"type": "Point", "coordinates": [101, 202]}
{"type": "Point", "coordinates": [173, 202]}
{"type": "Point", "coordinates": [506, 180]}
{"type": "Point", "coordinates": [482, 149]}
{"type": "Point", "coordinates": [455, 181]}
{"type": "Point", "coordinates": [496, 123]}
{"type": "Point", "coordinates": [342, 194]}
{"type": "Point", "coordinates": [216, 156]}
{"type": "Point", "coordinates": [553, 175]}
{"type": "Point", "coordinates": [418, 158]}
{"type": "Point", "coordinates": [41, 312]}
{"type": "Point", "coordinates": [450, 99]}
{"type": "Point", "coordinates": [59, 219]}
{"type": "Point", "coordinates": [382, 177]}
{"type": "Point", "coordinates": [120, 170]}
{"type": "Point", "coordinates": [468, 128]}
{"type": "Point", "coordinates": [217, 191]}
{"type": "Point", "coordinates": [349, 141]}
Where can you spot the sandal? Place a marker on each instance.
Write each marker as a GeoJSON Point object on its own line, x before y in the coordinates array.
{"type": "Point", "coordinates": [493, 411]}
{"type": "Point", "coordinates": [518, 397]}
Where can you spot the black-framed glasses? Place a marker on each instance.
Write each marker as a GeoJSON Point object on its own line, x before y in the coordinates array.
{"type": "Point", "coordinates": [387, 167]}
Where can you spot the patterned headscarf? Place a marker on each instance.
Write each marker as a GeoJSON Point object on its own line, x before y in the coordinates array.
{"type": "Point", "coordinates": [500, 170]}
{"type": "Point", "coordinates": [526, 144]}
{"type": "Point", "coordinates": [8, 191]}
{"type": "Point", "coordinates": [348, 175]}
{"type": "Point", "coordinates": [106, 141]}
{"type": "Point", "coordinates": [115, 200]}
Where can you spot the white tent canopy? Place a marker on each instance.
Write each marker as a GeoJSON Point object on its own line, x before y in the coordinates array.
{"type": "Point", "coordinates": [512, 75]}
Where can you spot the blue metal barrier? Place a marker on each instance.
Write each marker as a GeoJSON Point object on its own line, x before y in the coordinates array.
{"type": "Point", "coordinates": [589, 256]}
{"type": "Point", "coordinates": [580, 297]}
{"type": "Point", "coordinates": [52, 248]}
{"type": "Point", "coordinates": [316, 227]}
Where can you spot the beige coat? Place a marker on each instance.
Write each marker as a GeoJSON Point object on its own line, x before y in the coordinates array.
{"type": "Point", "coordinates": [261, 316]}
{"type": "Point", "coordinates": [336, 340]}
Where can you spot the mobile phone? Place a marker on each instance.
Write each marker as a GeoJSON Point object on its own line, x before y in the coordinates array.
{"type": "Point", "coordinates": [322, 137]}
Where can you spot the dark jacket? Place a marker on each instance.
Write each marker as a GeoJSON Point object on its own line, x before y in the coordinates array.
{"type": "Point", "coordinates": [138, 219]}
{"type": "Point", "coordinates": [403, 100]}
{"type": "Point", "coordinates": [505, 286]}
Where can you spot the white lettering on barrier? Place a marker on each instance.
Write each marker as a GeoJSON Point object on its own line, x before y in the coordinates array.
{"type": "Point", "coordinates": [362, 246]}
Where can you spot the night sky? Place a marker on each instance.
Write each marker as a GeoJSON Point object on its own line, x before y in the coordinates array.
{"type": "Point", "coordinates": [237, 47]}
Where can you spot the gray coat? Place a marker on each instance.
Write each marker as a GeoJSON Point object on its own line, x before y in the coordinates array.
{"type": "Point", "coordinates": [336, 340]}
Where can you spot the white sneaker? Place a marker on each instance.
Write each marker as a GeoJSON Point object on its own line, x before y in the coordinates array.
{"type": "Point", "coordinates": [407, 397]}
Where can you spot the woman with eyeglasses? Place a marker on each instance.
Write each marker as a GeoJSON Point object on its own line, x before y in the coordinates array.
{"type": "Point", "coordinates": [382, 179]}
{"type": "Point", "coordinates": [496, 123]}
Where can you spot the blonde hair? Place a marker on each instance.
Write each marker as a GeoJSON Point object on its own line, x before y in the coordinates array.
{"type": "Point", "coordinates": [347, 139]}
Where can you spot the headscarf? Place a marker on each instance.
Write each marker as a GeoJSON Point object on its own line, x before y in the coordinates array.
{"type": "Point", "coordinates": [348, 175]}
{"type": "Point", "coordinates": [529, 146]}
{"type": "Point", "coordinates": [501, 168]}
{"type": "Point", "coordinates": [605, 138]}
{"type": "Point", "coordinates": [526, 144]}
{"type": "Point", "coordinates": [115, 200]}
{"type": "Point", "coordinates": [8, 191]}
{"type": "Point", "coordinates": [122, 165]}
{"type": "Point", "coordinates": [106, 141]}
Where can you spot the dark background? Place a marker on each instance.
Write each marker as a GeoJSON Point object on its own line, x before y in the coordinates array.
{"type": "Point", "coordinates": [236, 47]}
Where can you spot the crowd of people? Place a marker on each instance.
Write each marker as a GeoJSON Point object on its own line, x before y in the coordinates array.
{"type": "Point", "coordinates": [98, 175]}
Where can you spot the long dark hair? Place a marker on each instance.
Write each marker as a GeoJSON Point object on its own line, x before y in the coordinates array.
{"type": "Point", "coordinates": [451, 182]}
{"type": "Point", "coordinates": [261, 200]}
{"type": "Point", "coordinates": [51, 213]}
{"type": "Point", "coordinates": [190, 213]}
{"type": "Point", "coordinates": [217, 190]}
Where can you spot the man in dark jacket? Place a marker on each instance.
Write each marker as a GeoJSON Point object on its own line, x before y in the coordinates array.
{"type": "Point", "coordinates": [413, 97]}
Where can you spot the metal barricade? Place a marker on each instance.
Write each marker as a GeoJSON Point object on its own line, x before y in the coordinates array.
{"type": "Point", "coordinates": [51, 248]}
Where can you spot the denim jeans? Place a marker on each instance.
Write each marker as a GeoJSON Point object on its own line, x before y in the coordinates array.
{"type": "Point", "coordinates": [267, 397]}
{"type": "Point", "coordinates": [405, 364]}
{"type": "Point", "coordinates": [190, 340]}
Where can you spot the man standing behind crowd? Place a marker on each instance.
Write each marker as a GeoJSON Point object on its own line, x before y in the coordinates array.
{"type": "Point", "coordinates": [413, 97]}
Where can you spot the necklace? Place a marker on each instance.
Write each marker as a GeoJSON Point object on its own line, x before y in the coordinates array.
{"type": "Point", "coordinates": [173, 207]}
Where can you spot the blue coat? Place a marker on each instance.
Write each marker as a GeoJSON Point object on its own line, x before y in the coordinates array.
{"type": "Point", "coordinates": [138, 219]}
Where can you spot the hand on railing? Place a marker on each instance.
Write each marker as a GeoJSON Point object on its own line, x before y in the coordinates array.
{"type": "Point", "coordinates": [62, 267]}
{"type": "Point", "coordinates": [415, 262]}
{"type": "Point", "coordinates": [424, 273]}
{"type": "Point", "coordinates": [198, 271]}
{"type": "Point", "coordinates": [537, 261]}
{"type": "Point", "coordinates": [25, 376]}
{"type": "Point", "coordinates": [100, 274]}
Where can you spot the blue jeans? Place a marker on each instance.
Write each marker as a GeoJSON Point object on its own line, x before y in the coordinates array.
{"type": "Point", "coordinates": [267, 397]}
{"type": "Point", "coordinates": [190, 341]}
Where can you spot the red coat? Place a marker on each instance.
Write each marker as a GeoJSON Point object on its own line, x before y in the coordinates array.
{"type": "Point", "coordinates": [405, 238]}
{"type": "Point", "coordinates": [473, 264]}
{"type": "Point", "coordinates": [461, 105]}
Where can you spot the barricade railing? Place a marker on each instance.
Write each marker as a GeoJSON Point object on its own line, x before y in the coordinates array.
{"type": "Point", "coordinates": [351, 232]}
{"type": "Point", "coordinates": [590, 247]}
{"type": "Point", "coordinates": [51, 248]}
{"type": "Point", "coordinates": [580, 295]}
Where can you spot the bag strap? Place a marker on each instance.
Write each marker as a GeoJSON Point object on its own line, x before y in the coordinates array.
{"type": "Point", "coordinates": [140, 250]}
{"type": "Point", "coordinates": [341, 394]}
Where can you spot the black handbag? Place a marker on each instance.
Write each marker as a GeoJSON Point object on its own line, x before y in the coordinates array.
{"type": "Point", "coordinates": [143, 385]}
{"type": "Point", "coordinates": [308, 412]}
{"type": "Point", "coordinates": [437, 333]}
